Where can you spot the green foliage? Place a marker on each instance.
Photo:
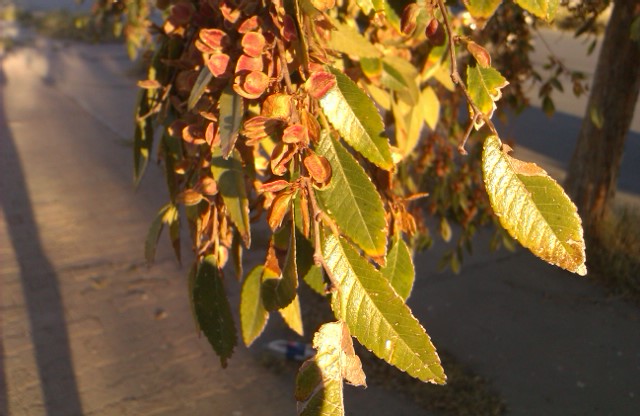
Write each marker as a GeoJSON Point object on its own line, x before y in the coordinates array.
{"type": "Point", "coordinates": [364, 299]}
{"type": "Point", "coordinates": [212, 309]}
{"type": "Point", "coordinates": [346, 140]}
{"type": "Point", "coordinates": [352, 200]}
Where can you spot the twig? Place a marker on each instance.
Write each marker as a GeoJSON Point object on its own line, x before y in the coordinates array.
{"type": "Point", "coordinates": [318, 216]}
{"type": "Point", "coordinates": [457, 80]}
{"type": "Point", "coordinates": [285, 69]}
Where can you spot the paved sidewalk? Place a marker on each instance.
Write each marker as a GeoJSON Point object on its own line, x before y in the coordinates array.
{"type": "Point", "coordinates": [87, 329]}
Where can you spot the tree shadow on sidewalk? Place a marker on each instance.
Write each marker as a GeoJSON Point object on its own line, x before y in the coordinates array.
{"type": "Point", "coordinates": [40, 285]}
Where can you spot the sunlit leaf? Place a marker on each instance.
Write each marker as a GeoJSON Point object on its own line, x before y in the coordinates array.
{"type": "Point", "coordinates": [229, 174]}
{"type": "Point", "coordinates": [231, 114]}
{"type": "Point", "coordinates": [409, 123]}
{"type": "Point", "coordinates": [482, 8]}
{"type": "Point", "coordinates": [279, 290]}
{"type": "Point", "coordinates": [346, 39]}
{"type": "Point", "coordinates": [253, 315]}
{"type": "Point", "coordinates": [430, 106]}
{"type": "Point", "coordinates": [352, 200]}
{"type": "Point", "coordinates": [544, 9]}
{"type": "Point", "coordinates": [533, 208]}
{"type": "Point", "coordinates": [167, 215]}
{"type": "Point", "coordinates": [356, 118]}
{"type": "Point", "coordinates": [292, 316]}
{"type": "Point", "coordinates": [484, 86]}
{"type": "Point", "coordinates": [376, 315]}
{"type": "Point", "coordinates": [399, 270]}
{"type": "Point", "coordinates": [199, 87]}
{"type": "Point", "coordinates": [213, 310]}
{"type": "Point", "coordinates": [319, 388]}
{"type": "Point", "coordinates": [400, 75]}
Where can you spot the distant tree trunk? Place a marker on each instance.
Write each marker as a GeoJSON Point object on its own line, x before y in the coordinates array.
{"type": "Point", "coordinates": [593, 171]}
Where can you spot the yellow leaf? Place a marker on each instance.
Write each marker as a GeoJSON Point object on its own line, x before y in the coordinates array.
{"type": "Point", "coordinates": [533, 208]}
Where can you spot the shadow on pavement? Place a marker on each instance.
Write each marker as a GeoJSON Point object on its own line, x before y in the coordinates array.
{"type": "Point", "coordinates": [40, 286]}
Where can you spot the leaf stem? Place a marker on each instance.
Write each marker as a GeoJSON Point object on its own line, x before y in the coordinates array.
{"type": "Point", "coordinates": [457, 80]}
{"type": "Point", "coordinates": [285, 69]}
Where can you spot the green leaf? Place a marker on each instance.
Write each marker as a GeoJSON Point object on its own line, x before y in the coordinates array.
{"type": "Point", "coordinates": [315, 280]}
{"type": "Point", "coordinates": [231, 114]}
{"type": "Point", "coordinates": [352, 200]}
{"type": "Point", "coordinates": [533, 208]}
{"type": "Point", "coordinates": [482, 8]}
{"type": "Point", "coordinates": [409, 123]}
{"type": "Point", "coordinates": [229, 175]}
{"type": "Point", "coordinates": [348, 40]}
{"type": "Point", "coordinates": [253, 315]}
{"type": "Point", "coordinates": [204, 77]}
{"type": "Point", "coordinates": [376, 315]}
{"type": "Point", "coordinates": [292, 316]}
{"type": "Point", "coordinates": [430, 106]}
{"type": "Point", "coordinates": [319, 389]}
{"type": "Point", "coordinates": [213, 310]}
{"type": "Point", "coordinates": [278, 291]}
{"type": "Point", "coordinates": [544, 9]}
{"type": "Point", "coordinates": [168, 215]}
{"type": "Point", "coordinates": [400, 75]}
{"type": "Point", "coordinates": [142, 137]}
{"type": "Point", "coordinates": [399, 270]}
{"type": "Point", "coordinates": [484, 86]}
{"type": "Point", "coordinates": [354, 115]}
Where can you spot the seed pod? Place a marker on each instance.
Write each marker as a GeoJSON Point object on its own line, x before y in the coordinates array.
{"type": "Point", "coordinates": [295, 134]}
{"type": "Point", "coordinates": [207, 186]}
{"type": "Point", "coordinates": [409, 19]}
{"type": "Point", "coordinates": [218, 64]}
{"type": "Point", "coordinates": [435, 33]}
{"type": "Point", "coordinates": [215, 39]}
{"type": "Point", "coordinates": [193, 134]}
{"type": "Point", "coordinates": [274, 186]}
{"type": "Point", "coordinates": [312, 125]}
{"type": "Point", "coordinates": [280, 157]}
{"type": "Point", "coordinates": [480, 54]}
{"type": "Point", "coordinates": [319, 84]}
{"type": "Point", "coordinates": [252, 86]}
{"type": "Point", "coordinates": [189, 197]}
{"type": "Point", "coordinates": [304, 210]}
{"type": "Point", "coordinates": [277, 106]}
{"type": "Point", "coordinates": [253, 44]}
{"type": "Point", "coordinates": [279, 208]}
{"type": "Point", "coordinates": [319, 169]}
